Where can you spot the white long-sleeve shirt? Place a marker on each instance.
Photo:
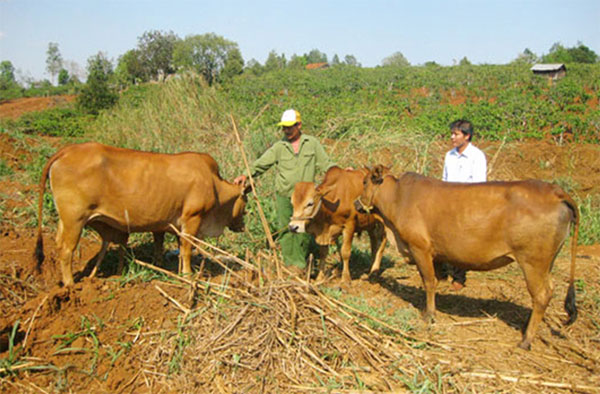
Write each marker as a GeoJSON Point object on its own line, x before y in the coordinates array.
{"type": "Point", "coordinates": [469, 166]}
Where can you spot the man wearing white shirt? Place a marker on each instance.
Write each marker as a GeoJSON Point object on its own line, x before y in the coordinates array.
{"type": "Point", "coordinates": [464, 163]}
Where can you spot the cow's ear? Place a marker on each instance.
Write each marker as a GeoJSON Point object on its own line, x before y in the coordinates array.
{"type": "Point", "coordinates": [322, 191]}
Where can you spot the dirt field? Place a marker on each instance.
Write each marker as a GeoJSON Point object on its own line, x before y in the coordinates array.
{"type": "Point", "coordinates": [12, 109]}
{"type": "Point", "coordinates": [241, 335]}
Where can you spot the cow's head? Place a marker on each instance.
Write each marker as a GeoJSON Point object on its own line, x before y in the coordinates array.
{"type": "Point", "coordinates": [239, 209]}
{"type": "Point", "coordinates": [372, 180]}
{"type": "Point", "coordinates": [306, 202]}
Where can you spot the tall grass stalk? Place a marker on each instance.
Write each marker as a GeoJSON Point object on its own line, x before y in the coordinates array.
{"type": "Point", "coordinates": [184, 114]}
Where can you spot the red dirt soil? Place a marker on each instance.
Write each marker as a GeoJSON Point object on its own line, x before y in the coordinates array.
{"type": "Point", "coordinates": [12, 109]}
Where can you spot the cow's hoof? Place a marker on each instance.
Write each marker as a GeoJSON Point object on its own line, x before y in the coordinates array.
{"type": "Point", "coordinates": [526, 345]}
{"type": "Point", "coordinates": [428, 318]}
{"type": "Point", "coordinates": [321, 277]}
{"type": "Point", "coordinates": [374, 274]}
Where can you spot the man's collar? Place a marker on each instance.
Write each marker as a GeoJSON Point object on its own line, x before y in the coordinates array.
{"type": "Point", "coordinates": [302, 138]}
{"type": "Point", "coordinates": [464, 152]}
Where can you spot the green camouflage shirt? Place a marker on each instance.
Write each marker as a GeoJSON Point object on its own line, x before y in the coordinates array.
{"type": "Point", "coordinates": [293, 168]}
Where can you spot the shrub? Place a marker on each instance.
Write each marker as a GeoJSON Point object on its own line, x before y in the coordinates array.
{"type": "Point", "coordinates": [58, 122]}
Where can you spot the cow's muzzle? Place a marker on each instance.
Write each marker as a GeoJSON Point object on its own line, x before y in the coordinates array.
{"type": "Point", "coordinates": [361, 207]}
{"type": "Point", "coordinates": [297, 226]}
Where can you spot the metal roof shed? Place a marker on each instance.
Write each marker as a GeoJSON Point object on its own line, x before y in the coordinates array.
{"type": "Point", "coordinates": [553, 71]}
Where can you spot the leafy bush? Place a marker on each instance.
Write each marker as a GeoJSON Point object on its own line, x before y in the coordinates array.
{"type": "Point", "coordinates": [59, 122]}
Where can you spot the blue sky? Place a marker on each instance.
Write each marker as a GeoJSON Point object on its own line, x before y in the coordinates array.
{"type": "Point", "coordinates": [485, 31]}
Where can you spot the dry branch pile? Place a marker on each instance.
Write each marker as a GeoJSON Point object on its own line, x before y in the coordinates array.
{"type": "Point", "coordinates": [274, 335]}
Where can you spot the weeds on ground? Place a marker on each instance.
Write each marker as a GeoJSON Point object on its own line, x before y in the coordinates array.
{"type": "Point", "coordinates": [133, 272]}
{"type": "Point", "coordinates": [87, 331]}
{"type": "Point", "coordinates": [5, 169]}
{"type": "Point", "coordinates": [400, 318]}
{"type": "Point", "coordinates": [182, 340]}
{"type": "Point", "coordinates": [423, 382]}
{"type": "Point", "coordinates": [11, 360]}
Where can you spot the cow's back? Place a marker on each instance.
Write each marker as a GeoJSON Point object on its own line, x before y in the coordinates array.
{"type": "Point", "coordinates": [457, 219]}
{"type": "Point", "coordinates": [131, 190]}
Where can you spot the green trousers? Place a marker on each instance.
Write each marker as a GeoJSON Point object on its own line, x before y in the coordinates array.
{"type": "Point", "coordinates": [294, 246]}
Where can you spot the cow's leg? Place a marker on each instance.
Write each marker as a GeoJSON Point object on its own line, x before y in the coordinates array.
{"type": "Point", "coordinates": [159, 239]}
{"type": "Point", "coordinates": [323, 252]}
{"type": "Point", "coordinates": [424, 262]}
{"type": "Point", "coordinates": [346, 252]}
{"type": "Point", "coordinates": [540, 287]}
{"type": "Point", "coordinates": [67, 238]}
{"type": "Point", "coordinates": [190, 226]}
{"type": "Point", "coordinates": [100, 257]}
{"type": "Point", "coordinates": [121, 239]}
{"type": "Point", "coordinates": [378, 241]}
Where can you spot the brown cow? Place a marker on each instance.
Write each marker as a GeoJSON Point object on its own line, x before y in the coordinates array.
{"type": "Point", "coordinates": [119, 191]}
{"type": "Point", "coordinates": [327, 211]}
{"type": "Point", "coordinates": [480, 226]}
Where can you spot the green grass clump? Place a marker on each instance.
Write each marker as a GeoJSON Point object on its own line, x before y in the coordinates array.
{"type": "Point", "coordinates": [5, 169]}
{"type": "Point", "coordinates": [589, 231]}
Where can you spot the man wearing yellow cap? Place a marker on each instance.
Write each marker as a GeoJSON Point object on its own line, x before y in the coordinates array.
{"type": "Point", "coordinates": [296, 157]}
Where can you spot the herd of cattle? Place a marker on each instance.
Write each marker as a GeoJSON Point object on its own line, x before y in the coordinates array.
{"type": "Point", "coordinates": [482, 226]}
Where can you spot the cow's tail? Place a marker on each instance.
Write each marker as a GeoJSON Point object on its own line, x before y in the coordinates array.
{"type": "Point", "coordinates": [39, 246]}
{"type": "Point", "coordinates": [570, 305]}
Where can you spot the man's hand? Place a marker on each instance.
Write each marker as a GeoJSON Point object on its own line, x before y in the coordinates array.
{"type": "Point", "coordinates": [240, 180]}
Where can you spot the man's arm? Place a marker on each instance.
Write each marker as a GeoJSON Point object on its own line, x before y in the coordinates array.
{"type": "Point", "coordinates": [264, 162]}
{"type": "Point", "coordinates": [260, 165]}
{"type": "Point", "coordinates": [480, 168]}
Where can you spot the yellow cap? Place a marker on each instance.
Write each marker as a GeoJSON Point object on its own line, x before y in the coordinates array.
{"type": "Point", "coordinates": [289, 118]}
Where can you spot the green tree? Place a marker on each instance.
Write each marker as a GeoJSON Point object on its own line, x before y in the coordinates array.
{"type": "Point", "coordinates": [254, 67]}
{"type": "Point", "coordinates": [397, 59]}
{"type": "Point", "coordinates": [7, 75]}
{"type": "Point", "coordinates": [275, 61]}
{"type": "Point", "coordinates": [350, 60]}
{"type": "Point", "coordinates": [63, 77]}
{"type": "Point", "coordinates": [464, 62]}
{"type": "Point", "coordinates": [527, 57]}
{"type": "Point", "coordinates": [583, 54]}
{"type": "Point", "coordinates": [54, 61]}
{"type": "Point", "coordinates": [209, 55]}
{"type": "Point", "coordinates": [315, 56]}
{"type": "Point", "coordinates": [234, 65]}
{"type": "Point", "coordinates": [557, 54]}
{"type": "Point", "coordinates": [98, 94]}
{"type": "Point", "coordinates": [130, 68]}
{"type": "Point", "coordinates": [155, 51]}
{"type": "Point", "coordinates": [297, 62]}
{"type": "Point", "coordinates": [335, 60]}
